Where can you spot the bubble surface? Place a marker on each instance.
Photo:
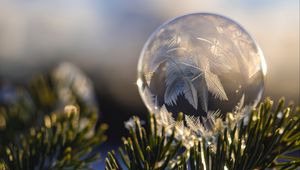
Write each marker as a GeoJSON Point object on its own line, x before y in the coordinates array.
{"type": "Point", "coordinates": [200, 64]}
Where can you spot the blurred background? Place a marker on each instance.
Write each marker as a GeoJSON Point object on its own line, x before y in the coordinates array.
{"type": "Point", "coordinates": [104, 39]}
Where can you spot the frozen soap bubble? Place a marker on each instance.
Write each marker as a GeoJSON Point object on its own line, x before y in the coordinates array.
{"type": "Point", "coordinates": [200, 64]}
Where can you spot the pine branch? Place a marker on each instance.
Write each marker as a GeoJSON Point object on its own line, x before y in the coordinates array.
{"type": "Point", "coordinates": [28, 104]}
{"type": "Point", "coordinates": [264, 141]}
{"type": "Point", "coordinates": [146, 148]}
{"type": "Point", "coordinates": [61, 143]}
{"type": "Point", "coordinates": [38, 132]}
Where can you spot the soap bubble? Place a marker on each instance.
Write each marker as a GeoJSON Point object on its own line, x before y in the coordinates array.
{"type": "Point", "coordinates": [201, 64]}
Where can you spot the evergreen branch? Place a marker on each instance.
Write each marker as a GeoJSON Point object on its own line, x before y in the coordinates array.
{"type": "Point", "coordinates": [269, 135]}
{"type": "Point", "coordinates": [28, 105]}
{"type": "Point", "coordinates": [61, 143]}
{"type": "Point", "coordinates": [147, 149]}
{"type": "Point", "coordinates": [36, 134]}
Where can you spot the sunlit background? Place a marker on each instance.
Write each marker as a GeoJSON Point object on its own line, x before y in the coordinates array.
{"type": "Point", "coordinates": [104, 39]}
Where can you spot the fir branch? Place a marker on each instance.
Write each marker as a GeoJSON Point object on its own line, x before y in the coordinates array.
{"type": "Point", "coordinates": [43, 95]}
{"type": "Point", "coordinates": [258, 145]}
{"type": "Point", "coordinates": [268, 137]}
{"type": "Point", "coordinates": [35, 132]}
{"type": "Point", "coordinates": [61, 143]}
{"type": "Point", "coordinates": [147, 149]}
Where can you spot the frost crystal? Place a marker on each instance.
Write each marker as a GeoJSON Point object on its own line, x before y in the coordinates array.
{"type": "Point", "coordinates": [203, 65]}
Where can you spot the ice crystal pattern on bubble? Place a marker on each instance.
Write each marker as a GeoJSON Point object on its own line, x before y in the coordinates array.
{"type": "Point", "coordinates": [203, 58]}
{"type": "Point", "coordinates": [181, 73]}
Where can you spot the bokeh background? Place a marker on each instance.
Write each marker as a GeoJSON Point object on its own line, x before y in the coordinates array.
{"type": "Point", "coordinates": [104, 39]}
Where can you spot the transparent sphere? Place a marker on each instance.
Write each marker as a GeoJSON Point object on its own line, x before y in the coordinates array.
{"type": "Point", "coordinates": [201, 63]}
